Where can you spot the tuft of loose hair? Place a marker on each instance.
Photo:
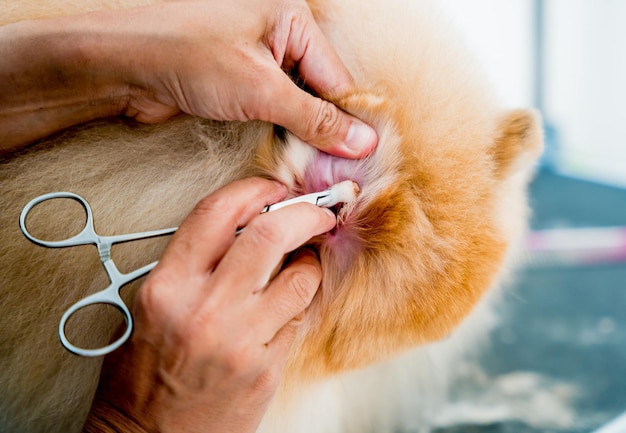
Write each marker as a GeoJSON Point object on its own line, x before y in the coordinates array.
{"type": "Point", "coordinates": [345, 192]}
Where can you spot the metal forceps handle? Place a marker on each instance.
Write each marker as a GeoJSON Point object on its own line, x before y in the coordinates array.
{"type": "Point", "coordinates": [110, 295]}
{"type": "Point", "coordinates": [85, 237]}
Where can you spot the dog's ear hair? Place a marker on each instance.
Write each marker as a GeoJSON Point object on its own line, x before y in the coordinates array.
{"type": "Point", "coordinates": [519, 142]}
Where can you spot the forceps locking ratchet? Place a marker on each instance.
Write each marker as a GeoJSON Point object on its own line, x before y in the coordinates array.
{"type": "Point", "coordinates": [111, 295]}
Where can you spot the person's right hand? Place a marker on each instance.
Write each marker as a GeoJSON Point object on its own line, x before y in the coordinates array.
{"type": "Point", "coordinates": [213, 323]}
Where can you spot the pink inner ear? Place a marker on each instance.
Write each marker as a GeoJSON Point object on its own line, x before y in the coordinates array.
{"type": "Point", "coordinates": [326, 170]}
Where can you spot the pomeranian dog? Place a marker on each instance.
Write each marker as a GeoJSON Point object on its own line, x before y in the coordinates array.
{"type": "Point", "coordinates": [409, 274]}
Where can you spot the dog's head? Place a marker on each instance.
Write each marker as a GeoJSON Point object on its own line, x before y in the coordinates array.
{"type": "Point", "coordinates": [442, 197]}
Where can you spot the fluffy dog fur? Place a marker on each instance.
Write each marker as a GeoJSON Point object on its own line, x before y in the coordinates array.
{"type": "Point", "coordinates": [406, 272]}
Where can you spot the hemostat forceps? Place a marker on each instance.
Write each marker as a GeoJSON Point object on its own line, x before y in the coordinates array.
{"type": "Point", "coordinates": [110, 295]}
{"type": "Point", "coordinates": [341, 192]}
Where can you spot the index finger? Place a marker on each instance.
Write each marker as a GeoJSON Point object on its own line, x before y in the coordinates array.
{"type": "Point", "coordinates": [249, 263]}
{"type": "Point", "coordinates": [209, 230]}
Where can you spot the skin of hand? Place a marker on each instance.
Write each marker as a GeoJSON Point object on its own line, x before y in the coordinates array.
{"type": "Point", "coordinates": [223, 60]}
{"type": "Point", "coordinates": [211, 339]}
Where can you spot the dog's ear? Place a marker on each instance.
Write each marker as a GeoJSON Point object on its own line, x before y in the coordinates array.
{"type": "Point", "coordinates": [519, 142]}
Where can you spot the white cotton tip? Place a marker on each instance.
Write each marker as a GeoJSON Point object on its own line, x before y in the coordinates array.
{"type": "Point", "coordinates": [343, 192]}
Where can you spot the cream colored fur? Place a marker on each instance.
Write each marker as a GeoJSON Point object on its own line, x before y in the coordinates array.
{"type": "Point", "coordinates": [409, 276]}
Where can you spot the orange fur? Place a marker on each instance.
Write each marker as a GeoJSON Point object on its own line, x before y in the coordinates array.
{"type": "Point", "coordinates": [442, 202]}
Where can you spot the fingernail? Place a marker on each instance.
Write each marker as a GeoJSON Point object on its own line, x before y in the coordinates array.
{"type": "Point", "coordinates": [361, 138]}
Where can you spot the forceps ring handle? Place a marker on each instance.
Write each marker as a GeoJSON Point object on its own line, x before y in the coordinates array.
{"type": "Point", "coordinates": [108, 296]}
{"type": "Point", "coordinates": [87, 234]}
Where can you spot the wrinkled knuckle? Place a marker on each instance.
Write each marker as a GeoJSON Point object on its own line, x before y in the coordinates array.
{"type": "Point", "coordinates": [326, 121]}
{"type": "Point", "coordinates": [303, 285]}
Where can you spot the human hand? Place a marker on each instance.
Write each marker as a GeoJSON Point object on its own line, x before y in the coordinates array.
{"type": "Point", "coordinates": [222, 60]}
{"type": "Point", "coordinates": [213, 325]}
{"type": "Point", "coordinates": [227, 61]}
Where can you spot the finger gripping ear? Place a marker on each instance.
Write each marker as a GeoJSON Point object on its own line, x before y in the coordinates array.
{"type": "Point", "coordinates": [325, 120]}
{"type": "Point", "coordinates": [299, 280]}
{"type": "Point", "coordinates": [303, 283]}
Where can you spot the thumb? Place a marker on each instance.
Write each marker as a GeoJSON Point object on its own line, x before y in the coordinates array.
{"type": "Point", "coordinates": [321, 123]}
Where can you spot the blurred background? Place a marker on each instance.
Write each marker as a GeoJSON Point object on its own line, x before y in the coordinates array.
{"type": "Point", "coordinates": [559, 359]}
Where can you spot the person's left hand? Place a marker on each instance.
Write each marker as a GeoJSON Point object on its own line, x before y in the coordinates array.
{"type": "Point", "coordinates": [221, 60]}
{"type": "Point", "coordinates": [226, 60]}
